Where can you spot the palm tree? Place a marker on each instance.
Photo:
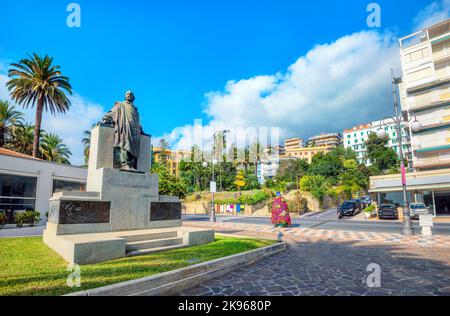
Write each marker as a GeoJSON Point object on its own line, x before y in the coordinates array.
{"type": "Point", "coordinates": [53, 149]}
{"type": "Point", "coordinates": [9, 118]}
{"type": "Point", "coordinates": [22, 139]}
{"type": "Point", "coordinates": [86, 140]}
{"type": "Point", "coordinates": [256, 153]}
{"type": "Point", "coordinates": [37, 82]}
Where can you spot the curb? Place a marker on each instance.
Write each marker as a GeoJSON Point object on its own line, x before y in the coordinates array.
{"type": "Point", "coordinates": [171, 282]}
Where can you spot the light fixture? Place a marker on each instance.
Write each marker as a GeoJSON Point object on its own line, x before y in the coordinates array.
{"type": "Point", "coordinates": [381, 133]}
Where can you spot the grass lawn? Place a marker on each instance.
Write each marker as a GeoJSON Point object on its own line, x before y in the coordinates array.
{"type": "Point", "coordinates": [29, 267]}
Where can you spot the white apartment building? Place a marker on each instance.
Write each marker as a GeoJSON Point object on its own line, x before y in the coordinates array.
{"type": "Point", "coordinates": [356, 137]}
{"type": "Point", "coordinates": [425, 95]}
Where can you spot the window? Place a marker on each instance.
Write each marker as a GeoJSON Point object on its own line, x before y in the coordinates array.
{"type": "Point", "coordinates": [61, 185]}
{"type": "Point", "coordinates": [17, 193]}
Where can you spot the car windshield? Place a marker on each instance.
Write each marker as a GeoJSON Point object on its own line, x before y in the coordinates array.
{"type": "Point", "coordinates": [347, 204]}
{"type": "Point", "coordinates": [417, 205]}
{"type": "Point", "coordinates": [387, 206]}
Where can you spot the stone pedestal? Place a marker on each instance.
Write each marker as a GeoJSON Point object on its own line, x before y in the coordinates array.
{"type": "Point", "coordinates": [115, 201]}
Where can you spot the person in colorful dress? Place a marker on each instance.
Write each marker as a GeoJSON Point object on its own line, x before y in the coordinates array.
{"type": "Point", "coordinates": [280, 212]}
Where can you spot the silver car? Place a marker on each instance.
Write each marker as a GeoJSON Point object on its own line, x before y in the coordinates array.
{"type": "Point", "coordinates": [417, 208]}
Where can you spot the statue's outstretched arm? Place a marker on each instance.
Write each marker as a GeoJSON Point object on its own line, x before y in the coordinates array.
{"type": "Point", "coordinates": [108, 117]}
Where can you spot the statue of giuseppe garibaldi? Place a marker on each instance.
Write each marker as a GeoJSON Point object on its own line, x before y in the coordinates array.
{"type": "Point", "coordinates": [127, 131]}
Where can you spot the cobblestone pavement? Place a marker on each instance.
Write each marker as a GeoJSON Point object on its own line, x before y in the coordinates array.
{"type": "Point", "coordinates": [317, 266]}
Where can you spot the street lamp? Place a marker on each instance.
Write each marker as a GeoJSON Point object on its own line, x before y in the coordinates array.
{"type": "Point", "coordinates": [212, 217]}
{"type": "Point", "coordinates": [398, 119]}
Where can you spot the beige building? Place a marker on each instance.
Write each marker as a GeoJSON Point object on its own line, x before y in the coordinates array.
{"type": "Point", "coordinates": [171, 157]}
{"type": "Point", "coordinates": [293, 143]}
{"type": "Point", "coordinates": [307, 153]}
{"type": "Point", "coordinates": [424, 94]}
{"type": "Point", "coordinates": [325, 139]}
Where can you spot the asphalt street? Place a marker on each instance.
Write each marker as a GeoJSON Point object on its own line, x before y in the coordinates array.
{"type": "Point", "coordinates": [329, 220]}
{"type": "Point", "coordinates": [322, 220]}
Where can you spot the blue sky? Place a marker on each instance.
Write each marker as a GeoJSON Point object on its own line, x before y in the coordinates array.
{"type": "Point", "coordinates": [173, 54]}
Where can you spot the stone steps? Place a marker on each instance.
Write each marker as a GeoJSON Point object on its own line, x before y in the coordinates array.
{"type": "Point", "coordinates": [151, 236]}
{"type": "Point", "coordinates": [153, 243]}
{"type": "Point", "coordinates": [153, 250]}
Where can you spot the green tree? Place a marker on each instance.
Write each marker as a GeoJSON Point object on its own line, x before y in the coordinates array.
{"type": "Point", "coordinates": [37, 82]}
{"type": "Point", "coordinates": [290, 170]}
{"type": "Point", "coordinates": [381, 156]}
{"type": "Point", "coordinates": [169, 184]}
{"type": "Point", "coordinates": [317, 185]}
{"type": "Point", "coordinates": [86, 141]}
{"type": "Point", "coordinates": [53, 149]}
{"type": "Point", "coordinates": [9, 118]}
{"type": "Point", "coordinates": [22, 139]}
{"type": "Point", "coordinates": [164, 145]}
{"type": "Point", "coordinates": [353, 180]}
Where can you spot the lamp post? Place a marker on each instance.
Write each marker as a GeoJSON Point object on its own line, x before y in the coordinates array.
{"type": "Point", "coordinates": [212, 216]}
{"type": "Point", "coordinates": [398, 119]}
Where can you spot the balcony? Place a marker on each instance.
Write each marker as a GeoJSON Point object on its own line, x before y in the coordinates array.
{"type": "Point", "coordinates": [430, 99]}
{"type": "Point", "coordinates": [431, 162]}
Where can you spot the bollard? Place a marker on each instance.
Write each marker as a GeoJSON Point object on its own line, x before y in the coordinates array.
{"type": "Point", "coordinates": [280, 236]}
{"type": "Point", "coordinates": [426, 222]}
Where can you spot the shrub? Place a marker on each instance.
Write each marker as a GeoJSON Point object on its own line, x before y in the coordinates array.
{"type": "Point", "coordinates": [246, 199]}
{"type": "Point", "coordinates": [30, 218]}
{"type": "Point", "coordinates": [2, 219]}
{"type": "Point", "coordinates": [299, 204]}
{"type": "Point", "coordinates": [369, 209]}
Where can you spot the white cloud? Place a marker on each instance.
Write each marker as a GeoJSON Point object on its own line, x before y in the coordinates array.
{"type": "Point", "coordinates": [69, 126]}
{"type": "Point", "coordinates": [334, 86]}
{"type": "Point", "coordinates": [431, 14]}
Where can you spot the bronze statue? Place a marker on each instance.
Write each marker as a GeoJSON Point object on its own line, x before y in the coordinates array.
{"type": "Point", "coordinates": [127, 132]}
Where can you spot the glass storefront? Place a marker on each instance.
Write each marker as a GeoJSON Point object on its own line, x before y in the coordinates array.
{"type": "Point", "coordinates": [438, 202]}
{"type": "Point", "coordinates": [17, 194]}
{"type": "Point", "coordinates": [62, 185]}
{"type": "Point", "coordinates": [442, 202]}
{"type": "Point", "coordinates": [393, 198]}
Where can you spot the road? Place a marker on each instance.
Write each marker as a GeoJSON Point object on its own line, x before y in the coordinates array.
{"type": "Point", "coordinates": [323, 220]}
{"type": "Point", "coordinates": [328, 220]}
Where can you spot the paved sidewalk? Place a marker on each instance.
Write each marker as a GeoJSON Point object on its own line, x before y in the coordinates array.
{"type": "Point", "coordinates": [13, 231]}
{"type": "Point", "coordinates": [315, 265]}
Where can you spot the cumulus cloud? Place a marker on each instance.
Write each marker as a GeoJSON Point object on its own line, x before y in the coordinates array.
{"type": "Point", "coordinates": [69, 126]}
{"type": "Point", "coordinates": [431, 14]}
{"type": "Point", "coordinates": [332, 87]}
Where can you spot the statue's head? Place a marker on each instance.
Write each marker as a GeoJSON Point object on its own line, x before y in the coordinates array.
{"type": "Point", "coordinates": [129, 96]}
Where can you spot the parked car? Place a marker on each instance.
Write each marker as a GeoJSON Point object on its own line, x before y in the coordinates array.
{"type": "Point", "coordinates": [359, 203]}
{"type": "Point", "coordinates": [367, 200]}
{"type": "Point", "coordinates": [348, 208]}
{"type": "Point", "coordinates": [416, 208]}
{"type": "Point", "coordinates": [387, 211]}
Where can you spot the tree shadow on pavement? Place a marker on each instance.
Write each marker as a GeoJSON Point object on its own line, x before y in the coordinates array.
{"type": "Point", "coordinates": [321, 267]}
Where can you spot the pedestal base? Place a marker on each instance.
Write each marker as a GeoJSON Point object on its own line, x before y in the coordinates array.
{"type": "Point", "coordinates": [99, 247]}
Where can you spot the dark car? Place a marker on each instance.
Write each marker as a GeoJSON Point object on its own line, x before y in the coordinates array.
{"type": "Point", "coordinates": [359, 203]}
{"type": "Point", "coordinates": [348, 208]}
{"type": "Point", "coordinates": [387, 211]}
{"type": "Point", "coordinates": [366, 200]}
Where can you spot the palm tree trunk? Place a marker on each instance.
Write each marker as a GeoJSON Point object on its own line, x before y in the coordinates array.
{"type": "Point", "coordinates": [2, 136]}
{"type": "Point", "coordinates": [37, 126]}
